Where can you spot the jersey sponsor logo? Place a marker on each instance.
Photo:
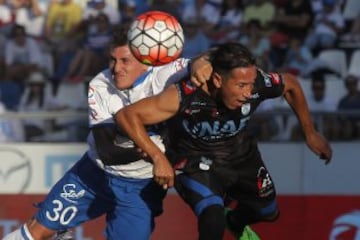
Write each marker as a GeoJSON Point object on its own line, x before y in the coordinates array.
{"type": "Point", "coordinates": [275, 78]}
{"type": "Point", "coordinates": [215, 130]}
{"type": "Point", "coordinates": [69, 193]}
{"type": "Point", "coordinates": [264, 182]}
{"type": "Point", "coordinates": [245, 108]}
{"type": "Point", "coordinates": [195, 107]}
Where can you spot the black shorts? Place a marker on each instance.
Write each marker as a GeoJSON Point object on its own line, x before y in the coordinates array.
{"type": "Point", "coordinates": [244, 178]}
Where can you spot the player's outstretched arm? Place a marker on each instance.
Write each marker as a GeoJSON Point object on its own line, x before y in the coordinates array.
{"type": "Point", "coordinates": [294, 95]}
{"type": "Point", "coordinates": [133, 119]}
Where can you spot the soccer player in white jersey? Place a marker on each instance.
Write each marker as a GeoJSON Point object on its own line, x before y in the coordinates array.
{"type": "Point", "coordinates": [112, 177]}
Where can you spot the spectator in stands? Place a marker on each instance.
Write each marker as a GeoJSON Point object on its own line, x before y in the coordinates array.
{"type": "Point", "coordinates": [172, 7]}
{"type": "Point", "coordinates": [36, 98]}
{"type": "Point", "coordinates": [261, 10]}
{"type": "Point", "coordinates": [328, 23]}
{"type": "Point", "coordinates": [29, 14]}
{"type": "Point", "coordinates": [6, 18]}
{"type": "Point", "coordinates": [93, 9]}
{"type": "Point", "coordinates": [10, 91]}
{"type": "Point", "coordinates": [229, 24]}
{"type": "Point", "coordinates": [320, 106]}
{"type": "Point", "coordinates": [141, 6]}
{"type": "Point", "coordinates": [196, 41]}
{"type": "Point", "coordinates": [62, 18]}
{"type": "Point", "coordinates": [92, 57]}
{"type": "Point", "coordinates": [62, 34]}
{"type": "Point", "coordinates": [11, 130]}
{"type": "Point", "coordinates": [264, 123]}
{"type": "Point", "coordinates": [353, 35]}
{"type": "Point", "coordinates": [22, 55]}
{"type": "Point", "coordinates": [2, 48]}
{"type": "Point", "coordinates": [294, 19]}
{"type": "Point", "coordinates": [206, 13]}
{"type": "Point", "coordinates": [128, 11]}
{"type": "Point", "coordinates": [298, 58]}
{"type": "Point", "coordinates": [255, 39]}
{"type": "Point", "coordinates": [351, 101]}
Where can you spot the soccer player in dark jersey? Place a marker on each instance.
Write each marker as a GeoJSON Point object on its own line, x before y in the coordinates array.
{"type": "Point", "coordinates": [214, 156]}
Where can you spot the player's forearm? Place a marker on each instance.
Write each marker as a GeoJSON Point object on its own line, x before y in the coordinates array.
{"type": "Point", "coordinates": [296, 99]}
{"type": "Point", "coordinates": [135, 129]}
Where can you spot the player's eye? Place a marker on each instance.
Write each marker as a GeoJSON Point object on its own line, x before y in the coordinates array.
{"type": "Point", "coordinates": [126, 61]}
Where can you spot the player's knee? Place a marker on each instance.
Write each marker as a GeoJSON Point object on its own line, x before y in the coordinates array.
{"type": "Point", "coordinates": [38, 231]}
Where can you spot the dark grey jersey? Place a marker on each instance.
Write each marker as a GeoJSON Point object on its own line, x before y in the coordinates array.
{"type": "Point", "coordinates": [205, 127]}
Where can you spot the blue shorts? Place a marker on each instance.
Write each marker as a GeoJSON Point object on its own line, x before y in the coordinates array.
{"type": "Point", "coordinates": [86, 192]}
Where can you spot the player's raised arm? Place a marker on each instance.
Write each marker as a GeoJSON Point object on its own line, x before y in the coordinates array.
{"type": "Point", "coordinates": [295, 97]}
{"type": "Point", "coordinates": [133, 119]}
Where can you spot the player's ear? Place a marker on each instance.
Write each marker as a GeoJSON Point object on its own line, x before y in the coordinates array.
{"type": "Point", "coordinates": [216, 79]}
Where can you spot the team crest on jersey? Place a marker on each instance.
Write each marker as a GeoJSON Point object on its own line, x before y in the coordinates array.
{"type": "Point", "coordinates": [71, 194]}
{"type": "Point", "coordinates": [245, 108]}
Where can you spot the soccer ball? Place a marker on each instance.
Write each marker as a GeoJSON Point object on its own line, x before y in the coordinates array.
{"type": "Point", "coordinates": [156, 38]}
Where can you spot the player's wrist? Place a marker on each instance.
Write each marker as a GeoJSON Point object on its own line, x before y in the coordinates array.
{"type": "Point", "coordinates": [157, 157]}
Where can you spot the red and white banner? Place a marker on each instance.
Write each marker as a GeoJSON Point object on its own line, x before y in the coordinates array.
{"type": "Point", "coordinates": [317, 202]}
{"type": "Point", "coordinates": [302, 217]}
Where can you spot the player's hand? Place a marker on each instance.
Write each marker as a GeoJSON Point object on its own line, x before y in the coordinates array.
{"type": "Point", "coordinates": [319, 145]}
{"type": "Point", "coordinates": [201, 71]}
{"type": "Point", "coordinates": [163, 172]}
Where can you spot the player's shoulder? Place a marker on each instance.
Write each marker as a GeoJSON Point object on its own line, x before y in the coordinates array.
{"type": "Point", "coordinates": [102, 79]}
{"type": "Point", "coordinates": [173, 66]}
{"type": "Point", "coordinates": [268, 79]}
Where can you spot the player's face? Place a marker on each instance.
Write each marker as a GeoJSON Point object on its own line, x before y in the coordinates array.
{"type": "Point", "coordinates": [124, 67]}
{"type": "Point", "coordinates": [238, 87]}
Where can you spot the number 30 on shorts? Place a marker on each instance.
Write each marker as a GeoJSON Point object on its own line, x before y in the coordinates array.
{"type": "Point", "coordinates": [61, 214]}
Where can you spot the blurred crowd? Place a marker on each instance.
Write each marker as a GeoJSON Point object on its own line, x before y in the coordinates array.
{"type": "Point", "coordinates": [50, 49]}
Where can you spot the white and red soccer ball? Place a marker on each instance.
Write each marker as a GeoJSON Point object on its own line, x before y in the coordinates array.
{"type": "Point", "coordinates": [156, 38]}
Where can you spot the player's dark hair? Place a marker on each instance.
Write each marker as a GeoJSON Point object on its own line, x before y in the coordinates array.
{"type": "Point", "coordinates": [119, 37]}
{"type": "Point", "coordinates": [228, 56]}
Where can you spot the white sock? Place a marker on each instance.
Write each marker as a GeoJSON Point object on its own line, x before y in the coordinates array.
{"type": "Point", "coordinates": [19, 234]}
